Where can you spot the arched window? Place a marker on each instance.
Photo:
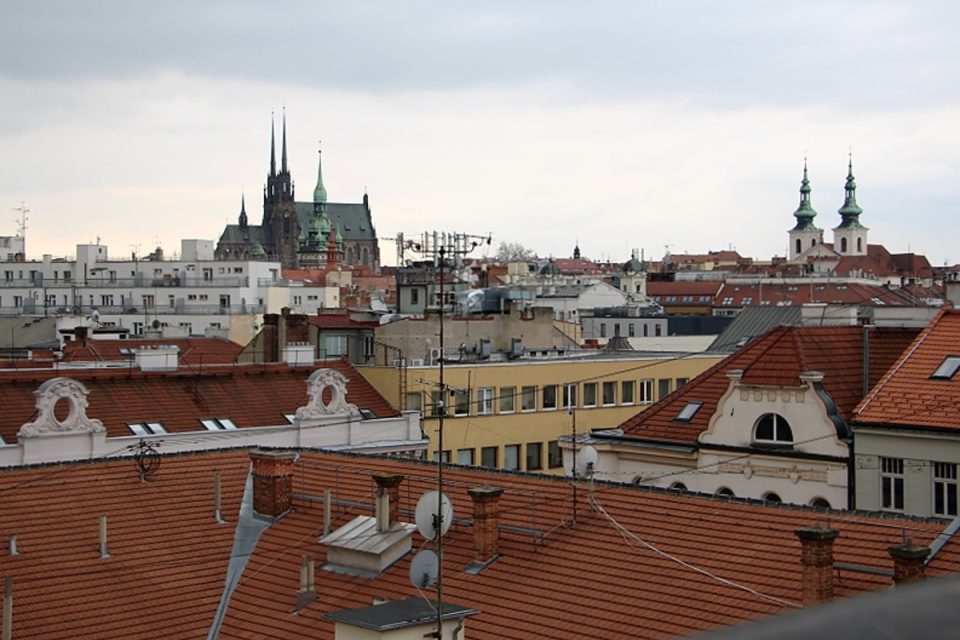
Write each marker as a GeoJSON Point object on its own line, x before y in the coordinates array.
{"type": "Point", "coordinates": [724, 492]}
{"type": "Point", "coordinates": [770, 496]}
{"type": "Point", "coordinates": [678, 486]}
{"type": "Point", "coordinates": [819, 503]}
{"type": "Point", "coordinates": [349, 255]}
{"type": "Point", "coordinates": [366, 256]}
{"type": "Point", "coordinates": [843, 245]}
{"type": "Point", "coordinates": [772, 427]}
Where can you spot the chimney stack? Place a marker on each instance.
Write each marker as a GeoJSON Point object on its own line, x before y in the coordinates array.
{"type": "Point", "coordinates": [388, 499]}
{"type": "Point", "coordinates": [272, 481]}
{"type": "Point", "coordinates": [80, 335]}
{"type": "Point", "coordinates": [486, 521]}
{"type": "Point", "coordinates": [908, 561]}
{"type": "Point", "coordinates": [817, 559]}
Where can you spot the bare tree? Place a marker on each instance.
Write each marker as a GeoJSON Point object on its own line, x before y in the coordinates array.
{"type": "Point", "coordinates": [514, 252]}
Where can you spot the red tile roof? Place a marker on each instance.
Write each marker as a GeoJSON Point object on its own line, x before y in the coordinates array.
{"type": "Point", "coordinates": [250, 395]}
{"type": "Point", "coordinates": [777, 359]}
{"type": "Point", "coordinates": [553, 579]}
{"type": "Point", "coordinates": [740, 295]}
{"type": "Point", "coordinates": [907, 395]}
{"type": "Point", "coordinates": [340, 321]}
{"type": "Point", "coordinates": [193, 351]}
{"type": "Point", "coordinates": [696, 288]}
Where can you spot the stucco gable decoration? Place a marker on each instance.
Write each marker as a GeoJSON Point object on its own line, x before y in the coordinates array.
{"type": "Point", "coordinates": [49, 394]}
{"type": "Point", "coordinates": [317, 385]}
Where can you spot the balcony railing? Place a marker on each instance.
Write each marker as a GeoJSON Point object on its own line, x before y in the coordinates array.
{"type": "Point", "coordinates": [105, 282]}
{"type": "Point", "coordinates": [130, 310]}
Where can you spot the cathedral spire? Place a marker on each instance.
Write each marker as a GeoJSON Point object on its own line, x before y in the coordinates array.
{"type": "Point", "coordinates": [283, 161]}
{"type": "Point", "coordinates": [273, 147]}
{"type": "Point", "coordinates": [319, 194]}
{"type": "Point", "coordinates": [805, 212]}
{"type": "Point", "coordinates": [850, 211]}
{"type": "Point", "coordinates": [243, 210]}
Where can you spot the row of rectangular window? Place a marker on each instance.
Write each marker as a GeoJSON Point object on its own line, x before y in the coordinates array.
{"type": "Point", "coordinates": [945, 502]}
{"type": "Point", "coordinates": [552, 397]}
{"type": "Point", "coordinates": [490, 457]}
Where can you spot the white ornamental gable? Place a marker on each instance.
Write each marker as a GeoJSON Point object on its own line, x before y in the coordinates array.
{"type": "Point", "coordinates": [49, 394]}
{"type": "Point", "coordinates": [318, 384]}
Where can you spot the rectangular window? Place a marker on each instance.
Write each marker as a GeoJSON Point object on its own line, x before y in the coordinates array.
{"type": "Point", "coordinates": [944, 489]}
{"type": "Point", "coordinates": [631, 330]}
{"type": "Point", "coordinates": [446, 456]}
{"type": "Point", "coordinates": [485, 401]}
{"type": "Point", "coordinates": [534, 456]}
{"type": "Point", "coordinates": [589, 394]}
{"type": "Point", "coordinates": [609, 394]}
{"type": "Point", "coordinates": [569, 396]}
{"type": "Point", "coordinates": [465, 457]}
{"type": "Point", "coordinates": [436, 404]}
{"type": "Point", "coordinates": [646, 391]}
{"type": "Point", "coordinates": [682, 381]}
{"type": "Point", "coordinates": [414, 296]}
{"type": "Point", "coordinates": [627, 389]}
{"type": "Point", "coordinates": [461, 400]}
{"type": "Point", "coordinates": [413, 401]}
{"type": "Point", "coordinates": [528, 399]}
{"type": "Point", "coordinates": [507, 399]}
{"type": "Point", "coordinates": [511, 457]}
{"type": "Point", "coordinates": [488, 457]}
{"type": "Point", "coordinates": [657, 329]}
{"type": "Point", "coordinates": [549, 397]}
{"type": "Point", "coordinates": [554, 454]}
{"type": "Point", "coordinates": [603, 330]}
{"type": "Point", "coordinates": [335, 345]}
{"type": "Point", "coordinates": [891, 483]}
{"type": "Point", "coordinates": [663, 388]}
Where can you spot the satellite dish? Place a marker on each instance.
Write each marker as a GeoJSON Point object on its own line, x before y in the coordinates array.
{"type": "Point", "coordinates": [586, 460]}
{"type": "Point", "coordinates": [426, 514]}
{"type": "Point", "coordinates": [424, 569]}
{"type": "Point", "coordinates": [155, 324]}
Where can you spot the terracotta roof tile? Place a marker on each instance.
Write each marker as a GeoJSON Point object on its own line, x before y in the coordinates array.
{"type": "Point", "coordinates": [193, 351]}
{"type": "Point", "coordinates": [907, 395]}
{"type": "Point", "coordinates": [777, 359]}
{"type": "Point", "coordinates": [250, 395]}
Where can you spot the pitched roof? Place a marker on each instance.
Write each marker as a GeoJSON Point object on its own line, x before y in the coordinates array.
{"type": "Point", "coordinates": [683, 287]}
{"type": "Point", "coordinates": [777, 358]}
{"type": "Point", "coordinates": [752, 322]}
{"type": "Point", "coordinates": [193, 351]}
{"type": "Point", "coordinates": [740, 295]}
{"type": "Point", "coordinates": [338, 320]}
{"type": "Point", "coordinates": [909, 395]}
{"type": "Point", "coordinates": [250, 395]}
{"type": "Point", "coordinates": [617, 572]}
{"type": "Point", "coordinates": [597, 578]}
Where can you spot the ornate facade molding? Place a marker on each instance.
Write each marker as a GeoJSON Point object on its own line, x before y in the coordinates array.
{"type": "Point", "coordinates": [51, 393]}
{"type": "Point", "coordinates": [318, 384]}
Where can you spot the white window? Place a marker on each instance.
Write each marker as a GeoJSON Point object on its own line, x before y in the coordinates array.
{"type": "Point", "coordinates": [528, 398]}
{"type": "Point", "coordinates": [944, 489]}
{"type": "Point", "coordinates": [507, 399]}
{"type": "Point", "coordinates": [646, 391]}
{"type": "Point", "coordinates": [511, 457]}
{"type": "Point", "coordinates": [609, 394]}
{"type": "Point", "coordinates": [772, 427]}
{"type": "Point", "coordinates": [569, 396]}
{"type": "Point", "coordinates": [465, 457]}
{"type": "Point", "coordinates": [891, 483]}
{"type": "Point", "coordinates": [461, 406]}
{"type": "Point", "coordinates": [485, 401]}
{"type": "Point", "coordinates": [589, 394]}
{"type": "Point", "coordinates": [628, 390]}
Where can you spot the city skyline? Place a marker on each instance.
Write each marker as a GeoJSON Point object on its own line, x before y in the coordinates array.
{"type": "Point", "coordinates": [615, 126]}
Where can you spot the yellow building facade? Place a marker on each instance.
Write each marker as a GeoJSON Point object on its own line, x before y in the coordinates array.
{"type": "Point", "coordinates": [510, 415]}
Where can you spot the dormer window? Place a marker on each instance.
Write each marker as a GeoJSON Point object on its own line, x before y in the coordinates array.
{"type": "Point", "coordinates": [146, 428]}
{"type": "Point", "coordinates": [773, 428]}
{"type": "Point", "coordinates": [947, 369]}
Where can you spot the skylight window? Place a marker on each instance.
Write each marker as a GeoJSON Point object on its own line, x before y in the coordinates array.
{"type": "Point", "coordinates": [367, 414]}
{"type": "Point", "coordinates": [227, 423]}
{"type": "Point", "coordinates": [947, 369]}
{"type": "Point", "coordinates": [146, 429]}
{"type": "Point", "coordinates": [686, 414]}
{"type": "Point", "coordinates": [291, 418]}
{"type": "Point", "coordinates": [218, 424]}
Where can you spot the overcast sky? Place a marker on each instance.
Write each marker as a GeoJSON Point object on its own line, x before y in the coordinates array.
{"type": "Point", "coordinates": [617, 125]}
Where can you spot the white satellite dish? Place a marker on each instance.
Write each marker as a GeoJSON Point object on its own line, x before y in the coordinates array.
{"type": "Point", "coordinates": [424, 569]}
{"type": "Point", "coordinates": [586, 460]}
{"type": "Point", "coordinates": [426, 514]}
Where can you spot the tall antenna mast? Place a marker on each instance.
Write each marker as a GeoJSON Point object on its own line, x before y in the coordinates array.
{"type": "Point", "coordinates": [22, 220]}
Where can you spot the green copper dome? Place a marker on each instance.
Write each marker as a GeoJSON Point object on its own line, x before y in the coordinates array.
{"type": "Point", "coordinates": [257, 251]}
{"type": "Point", "coordinates": [805, 212]}
{"type": "Point", "coordinates": [850, 211]}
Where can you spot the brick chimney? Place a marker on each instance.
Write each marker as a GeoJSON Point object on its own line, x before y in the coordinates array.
{"type": "Point", "coordinates": [486, 521]}
{"type": "Point", "coordinates": [272, 480]}
{"type": "Point", "coordinates": [388, 499]}
{"type": "Point", "coordinates": [80, 335]}
{"type": "Point", "coordinates": [908, 561]}
{"type": "Point", "coordinates": [816, 556]}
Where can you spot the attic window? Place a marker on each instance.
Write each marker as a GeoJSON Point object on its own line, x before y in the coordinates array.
{"type": "Point", "coordinates": [947, 369]}
{"type": "Point", "coordinates": [291, 418]}
{"type": "Point", "coordinates": [218, 424]}
{"type": "Point", "coordinates": [686, 414]}
{"type": "Point", "coordinates": [146, 429]}
{"type": "Point", "coordinates": [367, 414]}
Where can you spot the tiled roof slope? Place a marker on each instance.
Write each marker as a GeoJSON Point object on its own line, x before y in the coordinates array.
{"type": "Point", "coordinates": [193, 351]}
{"type": "Point", "coordinates": [559, 580]}
{"type": "Point", "coordinates": [341, 321]}
{"type": "Point", "coordinates": [907, 395]}
{"type": "Point", "coordinates": [739, 295]}
{"type": "Point", "coordinates": [168, 556]}
{"type": "Point", "coordinates": [777, 358]}
{"type": "Point", "coordinates": [250, 395]}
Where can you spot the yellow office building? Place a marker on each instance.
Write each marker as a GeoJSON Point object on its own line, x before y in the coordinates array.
{"type": "Point", "coordinates": [511, 414]}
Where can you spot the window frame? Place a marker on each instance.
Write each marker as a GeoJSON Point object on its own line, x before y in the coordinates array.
{"type": "Point", "coordinates": [891, 484]}
{"type": "Point", "coordinates": [533, 451]}
{"type": "Point", "coordinates": [589, 389]}
{"type": "Point", "coordinates": [485, 397]}
{"type": "Point", "coordinates": [548, 396]}
{"type": "Point", "coordinates": [508, 400]}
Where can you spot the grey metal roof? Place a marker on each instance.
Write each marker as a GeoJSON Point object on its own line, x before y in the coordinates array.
{"type": "Point", "coordinates": [360, 534]}
{"type": "Point", "coordinates": [26, 332]}
{"type": "Point", "coordinates": [352, 220]}
{"type": "Point", "coordinates": [752, 322]}
{"type": "Point", "coordinates": [398, 614]}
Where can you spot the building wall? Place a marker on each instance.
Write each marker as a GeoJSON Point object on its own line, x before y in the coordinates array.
{"type": "Point", "coordinates": [474, 430]}
{"type": "Point", "coordinates": [918, 450]}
